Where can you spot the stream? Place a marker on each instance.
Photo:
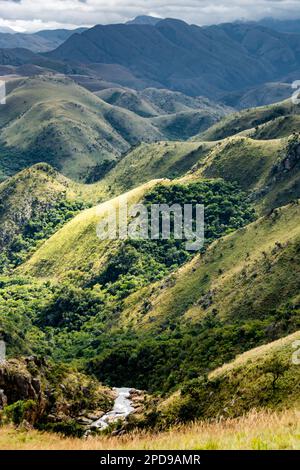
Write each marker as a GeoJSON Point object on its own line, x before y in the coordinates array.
{"type": "Point", "coordinates": [122, 408]}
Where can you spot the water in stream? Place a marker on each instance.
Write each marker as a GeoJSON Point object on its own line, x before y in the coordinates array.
{"type": "Point", "coordinates": [122, 408]}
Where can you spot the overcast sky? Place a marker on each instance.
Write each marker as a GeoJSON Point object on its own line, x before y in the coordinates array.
{"type": "Point", "coordinates": [33, 15]}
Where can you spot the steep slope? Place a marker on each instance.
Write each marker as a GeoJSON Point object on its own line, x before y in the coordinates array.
{"type": "Point", "coordinates": [155, 102]}
{"type": "Point", "coordinates": [252, 119]}
{"type": "Point", "coordinates": [128, 99]}
{"type": "Point", "coordinates": [176, 115]}
{"type": "Point", "coordinates": [264, 377]}
{"type": "Point", "coordinates": [51, 119]}
{"type": "Point", "coordinates": [238, 295]}
{"type": "Point", "coordinates": [35, 189]}
{"type": "Point", "coordinates": [49, 396]}
{"type": "Point", "coordinates": [76, 246]}
{"type": "Point", "coordinates": [34, 204]}
{"type": "Point", "coordinates": [231, 278]}
{"type": "Point", "coordinates": [190, 321]}
{"type": "Point", "coordinates": [142, 164]}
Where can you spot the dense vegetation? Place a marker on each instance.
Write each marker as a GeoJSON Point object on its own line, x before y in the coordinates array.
{"type": "Point", "coordinates": [70, 320]}
{"type": "Point", "coordinates": [39, 228]}
{"type": "Point", "coordinates": [148, 313]}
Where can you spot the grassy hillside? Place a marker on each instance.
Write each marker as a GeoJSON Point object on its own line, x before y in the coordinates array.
{"type": "Point", "coordinates": [34, 204]}
{"type": "Point", "coordinates": [268, 170]}
{"type": "Point", "coordinates": [155, 102]}
{"type": "Point", "coordinates": [76, 246]}
{"type": "Point", "coordinates": [145, 162]}
{"type": "Point", "coordinates": [238, 295]}
{"type": "Point", "coordinates": [51, 119]}
{"type": "Point", "coordinates": [252, 119]}
{"type": "Point", "coordinates": [217, 281]}
{"type": "Point", "coordinates": [236, 288]}
{"type": "Point", "coordinates": [128, 99]}
{"type": "Point", "coordinates": [261, 378]}
{"type": "Point", "coordinates": [149, 314]}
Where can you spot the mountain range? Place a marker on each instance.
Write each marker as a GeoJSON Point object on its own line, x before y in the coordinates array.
{"type": "Point", "coordinates": [205, 61]}
{"type": "Point", "coordinates": [239, 64]}
{"type": "Point", "coordinates": [42, 41]}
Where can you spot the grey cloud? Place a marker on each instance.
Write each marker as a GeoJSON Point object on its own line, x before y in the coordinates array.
{"type": "Point", "coordinates": [34, 14]}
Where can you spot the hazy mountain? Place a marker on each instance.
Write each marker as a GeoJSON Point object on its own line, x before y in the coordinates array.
{"type": "Point", "coordinates": [41, 41]}
{"type": "Point", "coordinates": [144, 19]}
{"type": "Point", "coordinates": [261, 95]}
{"type": "Point", "coordinates": [285, 26]}
{"type": "Point", "coordinates": [204, 61]}
{"type": "Point", "coordinates": [6, 29]}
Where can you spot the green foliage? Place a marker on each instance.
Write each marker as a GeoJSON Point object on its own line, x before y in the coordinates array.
{"type": "Point", "coordinates": [139, 262]}
{"type": "Point", "coordinates": [69, 427]}
{"type": "Point", "coordinates": [39, 228]}
{"type": "Point", "coordinates": [17, 412]}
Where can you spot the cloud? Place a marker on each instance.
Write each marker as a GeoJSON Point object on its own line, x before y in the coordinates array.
{"type": "Point", "coordinates": [32, 15]}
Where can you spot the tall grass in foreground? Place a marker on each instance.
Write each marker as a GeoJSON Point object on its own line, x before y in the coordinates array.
{"type": "Point", "coordinates": [258, 431]}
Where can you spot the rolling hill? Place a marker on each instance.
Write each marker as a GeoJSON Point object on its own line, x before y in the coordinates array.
{"type": "Point", "coordinates": [51, 119]}
{"type": "Point", "coordinates": [254, 120]}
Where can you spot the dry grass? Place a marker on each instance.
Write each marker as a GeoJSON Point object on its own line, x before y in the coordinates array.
{"type": "Point", "coordinates": [257, 431]}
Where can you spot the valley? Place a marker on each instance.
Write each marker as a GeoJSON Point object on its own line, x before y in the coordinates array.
{"type": "Point", "coordinates": [140, 343]}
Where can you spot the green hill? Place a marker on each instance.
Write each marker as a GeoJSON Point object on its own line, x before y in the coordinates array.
{"type": "Point", "coordinates": [267, 169]}
{"type": "Point", "coordinates": [160, 102]}
{"type": "Point", "coordinates": [34, 204]}
{"type": "Point", "coordinates": [145, 162]}
{"type": "Point", "coordinates": [54, 120]}
{"type": "Point", "coordinates": [261, 378]}
{"type": "Point", "coordinates": [251, 119]}
{"type": "Point", "coordinates": [51, 119]}
{"type": "Point", "coordinates": [238, 295]}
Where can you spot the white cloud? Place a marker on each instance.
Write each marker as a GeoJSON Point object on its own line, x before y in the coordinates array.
{"type": "Point", "coordinates": [32, 15]}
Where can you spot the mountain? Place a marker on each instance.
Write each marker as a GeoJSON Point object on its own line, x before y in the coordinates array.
{"type": "Point", "coordinates": [255, 121]}
{"type": "Point", "coordinates": [41, 41]}
{"type": "Point", "coordinates": [6, 29]}
{"type": "Point", "coordinates": [23, 197]}
{"type": "Point", "coordinates": [205, 61]}
{"type": "Point", "coordinates": [153, 102]}
{"type": "Point", "coordinates": [144, 19]}
{"type": "Point", "coordinates": [285, 26]}
{"type": "Point", "coordinates": [261, 95]}
{"type": "Point", "coordinates": [51, 119]}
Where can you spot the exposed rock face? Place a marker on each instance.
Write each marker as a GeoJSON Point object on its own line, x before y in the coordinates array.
{"type": "Point", "coordinates": [51, 393]}
{"type": "Point", "coordinates": [17, 383]}
{"type": "Point", "coordinates": [291, 159]}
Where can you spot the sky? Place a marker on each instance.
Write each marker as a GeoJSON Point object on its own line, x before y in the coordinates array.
{"type": "Point", "coordinates": [34, 15]}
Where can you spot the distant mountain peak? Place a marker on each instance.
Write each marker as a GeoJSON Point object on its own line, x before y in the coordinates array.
{"type": "Point", "coordinates": [7, 30]}
{"type": "Point", "coordinates": [144, 19]}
